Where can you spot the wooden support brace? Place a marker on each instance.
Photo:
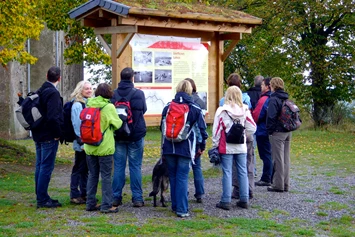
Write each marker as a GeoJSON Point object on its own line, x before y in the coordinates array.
{"type": "Point", "coordinates": [124, 44]}
{"type": "Point", "coordinates": [230, 48]}
{"type": "Point", "coordinates": [104, 43]}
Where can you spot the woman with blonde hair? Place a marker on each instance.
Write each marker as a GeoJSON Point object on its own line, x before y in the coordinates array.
{"type": "Point", "coordinates": [79, 174]}
{"type": "Point", "coordinates": [233, 109]}
{"type": "Point", "coordinates": [180, 154]}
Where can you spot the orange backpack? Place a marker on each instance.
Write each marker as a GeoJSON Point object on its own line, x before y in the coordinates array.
{"type": "Point", "coordinates": [176, 128]}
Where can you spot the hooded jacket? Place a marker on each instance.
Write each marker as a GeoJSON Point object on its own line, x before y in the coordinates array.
{"type": "Point", "coordinates": [186, 147]}
{"type": "Point", "coordinates": [273, 112]}
{"type": "Point", "coordinates": [259, 114]}
{"type": "Point", "coordinates": [52, 112]}
{"type": "Point", "coordinates": [254, 94]}
{"type": "Point", "coordinates": [222, 124]}
{"type": "Point", "coordinates": [109, 122]}
{"type": "Point", "coordinates": [138, 107]}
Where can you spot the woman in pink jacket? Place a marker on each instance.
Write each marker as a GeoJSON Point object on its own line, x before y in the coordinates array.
{"type": "Point", "coordinates": [232, 109]}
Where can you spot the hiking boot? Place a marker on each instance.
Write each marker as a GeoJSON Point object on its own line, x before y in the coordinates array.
{"type": "Point", "coordinates": [94, 208]}
{"type": "Point", "coordinates": [272, 189]}
{"type": "Point", "coordinates": [49, 204]}
{"type": "Point", "coordinates": [242, 205]}
{"type": "Point", "coordinates": [199, 200]}
{"type": "Point", "coordinates": [262, 183]}
{"type": "Point", "coordinates": [111, 210]}
{"type": "Point", "coordinates": [117, 203]}
{"type": "Point", "coordinates": [224, 205]}
{"type": "Point", "coordinates": [138, 204]}
{"type": "Point", "coordinates": [77, 201]}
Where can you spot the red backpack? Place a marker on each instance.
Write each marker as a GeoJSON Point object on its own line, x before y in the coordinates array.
{"type": "Point", "coordinates": [90, 130]}
{"type": "Point", "coordinates": [176, 128]}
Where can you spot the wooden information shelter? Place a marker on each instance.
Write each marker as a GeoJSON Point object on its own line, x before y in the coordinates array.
{"type": "Point", "coordinates": [122, 22]}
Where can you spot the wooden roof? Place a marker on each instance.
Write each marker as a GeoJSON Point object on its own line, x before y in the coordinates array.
{"type": "Point", "coordinates": [99, 13]}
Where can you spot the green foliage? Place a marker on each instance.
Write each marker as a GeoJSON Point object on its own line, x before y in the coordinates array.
{"type": "Point", "coordinates": [297, 37]}
{"type": "Point", "coordinates": [13, 31]}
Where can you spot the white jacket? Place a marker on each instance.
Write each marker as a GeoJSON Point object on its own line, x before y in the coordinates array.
{"type": "Point", "coordinates": [222, 123]}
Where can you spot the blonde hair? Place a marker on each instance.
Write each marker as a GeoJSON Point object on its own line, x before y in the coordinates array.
{"type": "Point", "coordinates": [77, 93]}
{"type": "Point", "coordinates": [184, 86]}
{"type": "Point", "coordinates": [277, 83]}
{"type": "Point", "coordinates": [233, 96]}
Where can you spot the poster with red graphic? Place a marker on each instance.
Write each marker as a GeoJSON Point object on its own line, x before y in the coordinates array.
{"type": "Point", "coordinates": [161, 62]}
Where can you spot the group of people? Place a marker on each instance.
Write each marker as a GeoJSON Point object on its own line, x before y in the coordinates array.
{"type": "Point", "coordinates": [258, 113]}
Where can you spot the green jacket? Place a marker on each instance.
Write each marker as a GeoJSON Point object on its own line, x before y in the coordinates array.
{"type": "Point", "coordinates": [109, 122]}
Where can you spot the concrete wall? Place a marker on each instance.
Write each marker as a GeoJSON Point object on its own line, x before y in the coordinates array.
{"type": "Point", "coordinates": [13, 79]}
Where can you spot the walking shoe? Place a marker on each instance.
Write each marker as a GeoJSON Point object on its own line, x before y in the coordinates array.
{"type": "Point", "coordinates": [242, 205]}
{"type": "Point", "coordinates": [251, 195]}
{"type": "Point", "coordinates": [199, 200]}
{"type": "Point", "coordinates": [182, 215]}
{"type": "Point", "coordinates": [111, 210]}
{"type": "Point", "coordinates": [138, 204]}
{"type": "Point", "coordinates": [117, 203]}
{"type": "Point", "coordinates": [49, 204]}
{"type": "Point", "coordinates": [272, 189]}
{"type": "Point", "coordinates": [78, 200]}
{"type": "Point", "coordinates": [224, 205]}
{"type": "Point", "coordinates": [94, 208]}
{"type": "Point", "coordinates": [262, 183]}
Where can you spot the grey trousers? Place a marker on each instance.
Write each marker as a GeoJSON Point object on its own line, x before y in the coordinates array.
{"type": "Point", "coordinates": [250, 166]}
{"type": "Point", "coordinates": [280, 153]}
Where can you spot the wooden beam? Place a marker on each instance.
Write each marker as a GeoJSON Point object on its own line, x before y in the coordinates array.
{"type": "Point", "coordinates": [114, 40]}
{"type": "Point", "coordinates": [104, 44]}
{"type": "Point", "coordinates": [187, 25]}
{"type": "Point", "coordinates": [231, 36]}
{"type": "Point", "coordinates": [124, 44]}
{"type": "Point", "coordinates": [115, 30]}
{"type": "Point", "coordinates": [229, 50]}
{"type": "Point", "coordinates": [205, 36]}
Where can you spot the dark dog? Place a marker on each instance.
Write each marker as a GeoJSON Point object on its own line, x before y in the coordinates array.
{"type": "Point", "coordinates": [160, 180]}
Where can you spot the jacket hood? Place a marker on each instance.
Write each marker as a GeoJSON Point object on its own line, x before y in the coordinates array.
{"type": "Point", "coordinates": [234, 111]}
{"type": "Point", "coordinates": [97, 102]}
{"type": "Point", "coordinates": [281, 94]}
{"type": "Point", "coordinates": [182, 97]}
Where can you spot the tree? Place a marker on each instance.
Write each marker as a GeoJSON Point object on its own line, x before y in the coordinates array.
{"type": "Point", "coordinates": [14, 32]}
{"type": "Point", "coordinates": [297, 36]}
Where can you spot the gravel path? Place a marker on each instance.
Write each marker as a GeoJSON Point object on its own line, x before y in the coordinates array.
{"type": "Point", "coordinates": [310, 193]}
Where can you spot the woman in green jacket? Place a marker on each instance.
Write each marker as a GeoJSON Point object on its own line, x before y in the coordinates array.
{"type": "Point", "coordinates": [100, 157]}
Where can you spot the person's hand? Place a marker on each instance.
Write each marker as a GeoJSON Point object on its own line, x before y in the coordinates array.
{"type": "Point", "coordinates": [57, 138]}
{"type": "Point", "coordinates": [198, 153]}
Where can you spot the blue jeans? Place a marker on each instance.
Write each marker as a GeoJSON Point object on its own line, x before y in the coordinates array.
{"type": "Point", "coordinates": [179, 167]}
{"type": "Point", "coordinates": [264, 148]}
{"type": "Point", "coordinates": [99, 165]}
{"type": "Point", "coordinates": [241, 164]}
{"type": "Point", "coordinates": [79, 176]}
{"type": "Point", "coordinates": [45, 158]}
{"type": "Point", "coordinates": [198, 178]}
{"type": "Point", "coordinates": [133, 151]}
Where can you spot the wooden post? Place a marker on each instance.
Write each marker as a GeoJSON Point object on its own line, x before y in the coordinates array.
{"type": "Point", "coordinates": [114, 46]}
{"type": "Point", "coordinates": [125, 59]}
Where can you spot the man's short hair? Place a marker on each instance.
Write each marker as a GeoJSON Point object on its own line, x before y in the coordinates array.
{"type": "Point", "coordinates": [258, 80]}
{"type": "Point", "coordinates": [127, 74]}
{"type": "Point", "coordinates": [53, 74]}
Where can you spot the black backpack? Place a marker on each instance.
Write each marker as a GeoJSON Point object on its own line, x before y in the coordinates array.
{"type": "Point", "coordinates": [124, 112]}
{"type": "Point", "coordinates": [68, 129]}
{"type": "Point", "coordinates": [29, 114]}
{"type": "Point", "coordinates": [235, 135]}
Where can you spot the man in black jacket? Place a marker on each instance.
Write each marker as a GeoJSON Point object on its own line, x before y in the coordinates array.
{"type": "Point", "coordinates": [47, 136]}
{"type": "Point", "coordinates": [130, 147]}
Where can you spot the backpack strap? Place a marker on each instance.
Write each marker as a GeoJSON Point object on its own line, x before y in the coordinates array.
{"type": "Point", "coordinates": [234, 120]}
{"type": "Point", "coordinates": [128, 97]}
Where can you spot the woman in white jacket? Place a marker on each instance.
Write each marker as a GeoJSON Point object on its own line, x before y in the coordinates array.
{"type": "Point", "coordinates": [233, 107]}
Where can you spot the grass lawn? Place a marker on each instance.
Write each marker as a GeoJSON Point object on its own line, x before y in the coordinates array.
{"type": "Point", "coordinates": [329, 154]}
